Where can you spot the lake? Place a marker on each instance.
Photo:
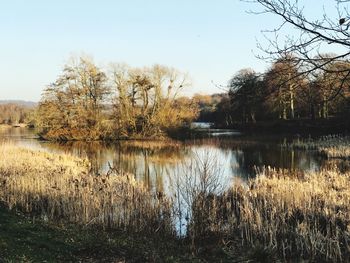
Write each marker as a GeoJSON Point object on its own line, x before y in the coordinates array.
{"type": "Point", "coordinates": [168, 167]}
{"type": "Point", "coordinates": [156, 162]}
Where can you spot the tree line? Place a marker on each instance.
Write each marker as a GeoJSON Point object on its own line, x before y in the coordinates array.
{"type": "Point", "coordinates": [88, 103]}
{"type": "Point", "coordinates": [285, 92]}
{"type": "Point", "coordinates": [303, 82]}
{"type": "Point", "coordinates": [13, 113]}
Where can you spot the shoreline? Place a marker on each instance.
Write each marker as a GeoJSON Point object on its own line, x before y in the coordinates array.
{"type": "Point", "coordinates": [297, 126]}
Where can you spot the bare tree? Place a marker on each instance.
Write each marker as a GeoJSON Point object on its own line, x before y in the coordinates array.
{"type": "Point", "coordinates": [246, 94]}
{"type": "Point", "coordinates": [310, 35]}
{"type": "Point", "coordinates": [72, 106]}
{"type": "Point", "coordinates": [282, 87]}
{"type": "Point", "coordinates": [307, 39]}
{"type": "Point", "coordinates": [147, 102]}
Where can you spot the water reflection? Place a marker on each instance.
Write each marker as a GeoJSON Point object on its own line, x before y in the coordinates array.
{"type": "Point", "coordinates": [155, 162]}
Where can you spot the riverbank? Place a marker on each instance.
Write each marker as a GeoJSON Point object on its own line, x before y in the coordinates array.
{"type": "Point", "coordinates": [15, 125]}
{"type": "Point", "coordinates": [330, 146]}
{"type": "Point", "coordinates": [22, 238]}
{"type": "Point", "coordinates": [279, 215]}
{"type": "Point", "coordinates": [61, 187]}
{"type": "Point", "coordinates": [296, 126]}
{"type": "Point", "coordinates": [50, 202]}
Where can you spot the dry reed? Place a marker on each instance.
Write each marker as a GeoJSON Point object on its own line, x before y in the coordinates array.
{"type": "Point", "coordinates": [59, 186]}
{"type": "Point", "coordinates": [152, 144]}
{"type": "Point", "coordinates": [331, 146]}
{"type": "Point", "coordinates": [4, 127]}
{"type": "Point", "coordinates": [295, 214]}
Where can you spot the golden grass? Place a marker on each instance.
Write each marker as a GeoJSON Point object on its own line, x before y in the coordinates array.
{"type": "Point", "coordinates": [332, 146]}
{"type": "Point", "coordinates": [161, 151]}
{"type": "Point", "coordinates": [4, 127]}
{"type": "Point", "coordinates": [296, 214]}
{"type": "Point", "coordinates": [293, 213]}
{"type": "Point", "coordinates": [60, 186]}
{"type": "Point", "coordinates": [152, 144]}
{"type": "Point", "coordinates": [341, 151]}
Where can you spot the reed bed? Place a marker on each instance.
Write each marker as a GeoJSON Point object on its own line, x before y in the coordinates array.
{"type": "Point", "coordinates": [161, 156]}
{"type": "Point", "coordinates": [340, 151]}
{"type": "Point", "coordinates": [292, 214]}
{"type": "Point", "coordinates": [331, 146]}
{"type": "Point", "coordinates": [289, 213]}
{"type": "Point", "coordinates": [223, 143]}
{"type": "Point", "coordinates": [152, 144]}
{"type": "Point", "coordinates": [4, 127]}
{"type": "Point", "coordinates": [60, 187]}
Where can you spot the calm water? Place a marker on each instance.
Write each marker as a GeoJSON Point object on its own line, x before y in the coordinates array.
{"type": "Point", "coordinates": [155, 163]}
{"type": "Point", "coordinates": [159, 165]}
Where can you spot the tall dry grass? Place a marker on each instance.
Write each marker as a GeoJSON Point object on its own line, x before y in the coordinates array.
{"type": "Point", "coordinates": [293, 214]}
{"type": "Point", "coordinates": [331, 146]}
{"type": "Point", "coordinates": [290, 214]}
{"type": "Point", "coordinates": [194, 183]}
{"type": "Point", "coordinates": [59, 186]}
{"type": "Point", "coordinates": [4, 126]}
{"type": "Point", "coordinates": [308, 214]}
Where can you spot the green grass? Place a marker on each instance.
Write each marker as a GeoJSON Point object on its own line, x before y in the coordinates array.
{"type": "Point", "coordinates": [22, 240]}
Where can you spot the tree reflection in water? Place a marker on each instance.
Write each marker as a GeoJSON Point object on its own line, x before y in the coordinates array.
{"type": "Point", "coordinates": [155, 162]}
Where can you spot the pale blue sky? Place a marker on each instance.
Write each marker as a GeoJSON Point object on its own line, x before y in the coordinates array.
{"type": "Point", "coordinates": [210, 40]}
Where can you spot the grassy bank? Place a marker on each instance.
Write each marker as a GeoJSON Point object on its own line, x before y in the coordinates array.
{"type": "Point", "coordinates": [293, 215]}
{"type": "Point", "coordinates": [60, 186]}
{"type": "Point", "coordinates": [8, 126]}
{"type": "Point", "coordinates": [52, 203]}
{"type": "Point", "coordinates": [331, 146]}
{"type": "Point", "coordinates": [74, 215]}
{"type": "Point", "coordinates": [301, 126]}
{"type": "Point", "coordinates": [22, 238]}
{"type": "Point", "coordinates": [4, 127]}
{"type": "Point", "coordinates": [25, 240]}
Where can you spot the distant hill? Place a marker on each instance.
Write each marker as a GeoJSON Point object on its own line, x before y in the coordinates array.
{"type": "Point", "coordinates": [29, 104]}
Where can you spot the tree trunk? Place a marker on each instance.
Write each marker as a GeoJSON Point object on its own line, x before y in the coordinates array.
{"type": "Point", "coordinates": [291, 101]}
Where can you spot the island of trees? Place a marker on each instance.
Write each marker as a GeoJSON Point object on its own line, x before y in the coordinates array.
{"type": "Point", "coordinates": [87, 103]}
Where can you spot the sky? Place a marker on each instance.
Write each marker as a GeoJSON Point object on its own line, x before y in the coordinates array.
{"type": "Point", "coordinates": [211, 40]}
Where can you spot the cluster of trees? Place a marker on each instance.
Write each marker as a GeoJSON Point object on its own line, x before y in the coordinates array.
{"type": "Point", "coordinates": [285, 92]}
{"type": "Point", "coordinates": [12, 113]}
{"type": "Point", "coordinates": [303, 81]}
{"type": "Point", "coordinates": [87, 103]}
{"type": "Point", "coordinates": [207, 105]}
